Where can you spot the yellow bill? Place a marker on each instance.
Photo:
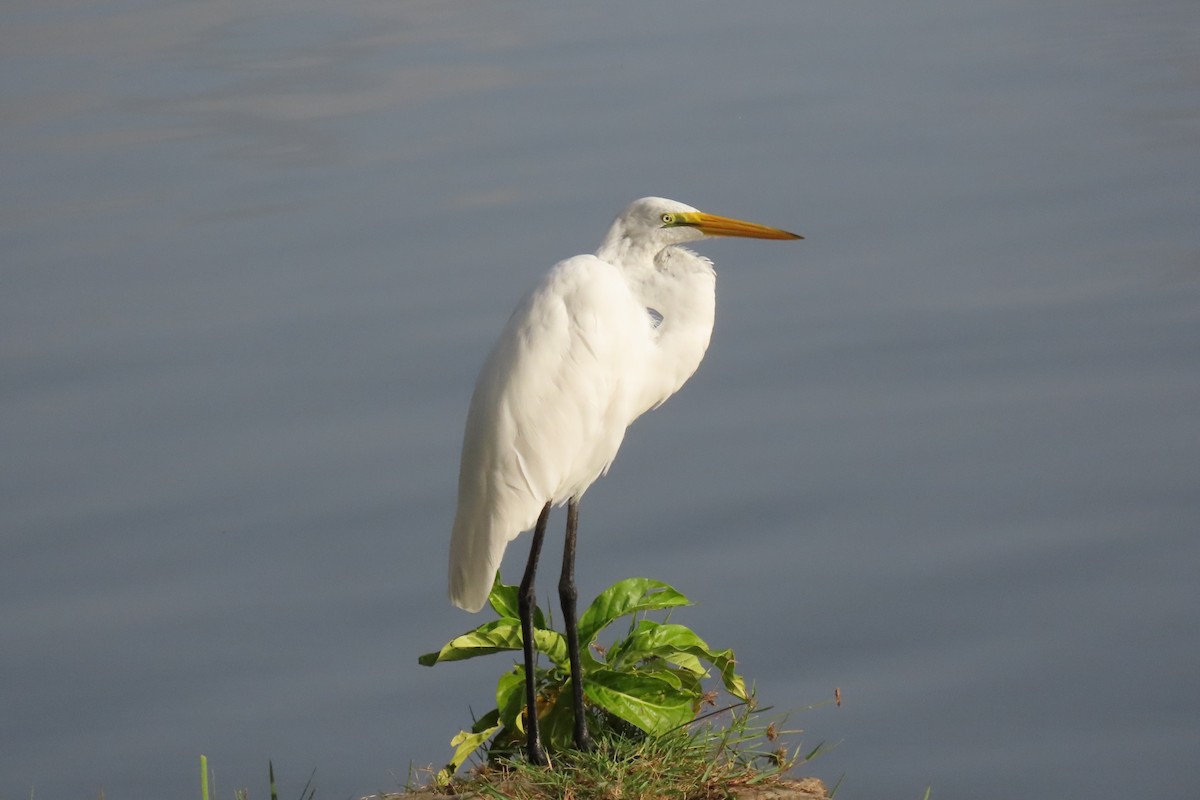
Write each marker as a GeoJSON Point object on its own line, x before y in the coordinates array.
{"type": "Point", "coordinates": [713, 225]}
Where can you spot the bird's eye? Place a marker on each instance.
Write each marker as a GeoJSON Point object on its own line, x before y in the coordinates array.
{"type": "Point", "coordinates": [667, 218]}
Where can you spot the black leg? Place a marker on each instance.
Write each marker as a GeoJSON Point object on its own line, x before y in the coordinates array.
{"type": "Point", "coordinates": [567, 595]}
{"type": "Point", "coordinates": [526, 604]}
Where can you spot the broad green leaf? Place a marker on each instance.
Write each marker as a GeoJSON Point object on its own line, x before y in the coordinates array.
{"type": "Point", "coordinates": [679, 645]}
{"type": "Point", "coordinates": [652, 639]}
{"type": "Point", "coordinates": [505, 601]}
{"type": "Point", "coordinates": [626, 597]}
{"type": "Point", "coordinates": [651, 635]}
{"type": "Point", "coordinates": [726, 665]}
{"type": "Point", "coordinates": [464, 745]}
{"type": "Point", "coordinates": [557, 721]}
{"type": "Point", "coordinates": [510, 697]}
{"type": "Point", "coordinates": [490, 637]}
{"type": "Point", "coordinates": [587, 661]}
{"type": "Point", "coordinates": [690, 682]}
{"type": "Point", "coordinates": [650, 703]}
{"type": "Point", "coordinates": [662, 638]}
{"type": "Point", "coordinates": [685, 661]}
{"type": "Point", "coordinates": [494, 637]}
{"type": "Point", "coordinates": [488, 720]}
{"type": "Point", "coordinates": [734, 684]}
{"type": "Point", "coordinates": [553, 644]}
{"type": "Point", "coordinates": [662, 670]}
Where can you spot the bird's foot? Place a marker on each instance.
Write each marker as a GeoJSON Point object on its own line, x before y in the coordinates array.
{"type": "Point", "coordinates": [584, 742]}
{"type": "Point", "coordinates": [535, 752]}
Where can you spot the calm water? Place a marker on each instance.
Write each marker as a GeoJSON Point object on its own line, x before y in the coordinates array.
{"type": "Point", "coordinates": [944, 455]}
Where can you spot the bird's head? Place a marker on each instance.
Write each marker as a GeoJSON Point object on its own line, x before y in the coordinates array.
{"type": "Point", "coordinates": [653, 223]}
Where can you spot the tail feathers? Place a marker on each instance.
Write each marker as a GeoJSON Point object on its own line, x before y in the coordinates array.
{"type": "Point", "coordinates": [469, 589]}
{"type": "Point", "coordinates": [475, 556]}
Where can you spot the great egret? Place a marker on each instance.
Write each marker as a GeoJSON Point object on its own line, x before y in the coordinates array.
{"type": "Point", "coordinates": [598, 342]}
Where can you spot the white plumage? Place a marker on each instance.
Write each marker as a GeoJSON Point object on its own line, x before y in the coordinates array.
{"type": "Point", "coordinates": [598, 342]}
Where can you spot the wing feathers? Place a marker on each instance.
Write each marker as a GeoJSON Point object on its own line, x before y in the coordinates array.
{"type": "Point", "coordinates": [550, 409]}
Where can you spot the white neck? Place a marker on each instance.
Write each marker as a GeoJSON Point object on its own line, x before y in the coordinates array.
{"type": "Point", "coordinates": [681, 286]}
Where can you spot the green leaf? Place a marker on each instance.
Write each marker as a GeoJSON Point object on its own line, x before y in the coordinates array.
{"type": "Point", "coordinates": [488, 720]}
{"type": "Point", "coordinates": [553, 644]}
{"type": "Point", "coordinates": [663, 671]}
{"type": "Point", "coordinates": [464, 745]}
{"type": "Point", "coordinates": [650, 703]}
{"type": "Point", "coordinates": [679, 645]}
{"type": "Point", "coordinates": [686, 662]}
{"type": "Point", "coordinates": [653, 639]}
{"type": "Point", "coordinates": [683, 640]}
{"type": "Point", "coordinates": [725, 663]}
{"type": "Point", "coordinates": [490, 637]}
{"type": "Point", "coordinates": [558, 721]}
{"type": "Point", "coordinates": [654, 636]}
{"type": "Point", "coordinates": [626, 597]}
{"type": "Point", "coordinates": [734, 684]}
{"type": "Point", "coordinates": [494, 637]}
{"type": "Point", "coordinates": [505, 601]}
{"type": "Point", "coordinates": [510, 697]}
{"type": "Point", "coordinates": [690, 683]}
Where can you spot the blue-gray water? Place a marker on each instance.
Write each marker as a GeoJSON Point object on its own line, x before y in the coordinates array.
{"type": "Point", "coordinates": [944, 455]}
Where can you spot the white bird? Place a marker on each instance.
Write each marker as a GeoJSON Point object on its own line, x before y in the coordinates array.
{"type": "Point", "coordinates": [598, 342]}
